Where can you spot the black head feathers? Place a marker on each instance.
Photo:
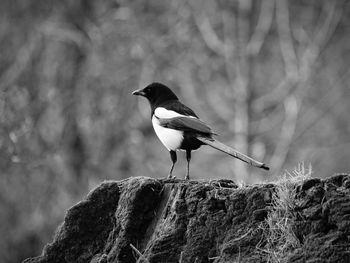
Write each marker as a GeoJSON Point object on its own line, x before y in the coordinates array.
{"type": "Point", "coordinates": [156, 93]}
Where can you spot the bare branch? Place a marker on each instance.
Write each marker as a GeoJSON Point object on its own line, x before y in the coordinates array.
{"type": "Point", "coordinates": [229, 51]}
{"type": "Point", "coordinates": [20, 63]}
{"type": "Point", "coordinates": [238, 69]}
{"type": "Point", "coordinates": [326, 29]}
{"type": "Point", "coordinates": [285, 38]}
{"type": "Point", "coordinates": [208, 34]}
{"type": "Point", "coordinates": [65, 33]}
{"type": "Point", "coordinates": [279, 156]}
{"type": "Point", "coordinates": [262, 27]}
{"type": "Point", "coordinates": [222, 108]}
{"type": "Point", "coordinates": [329, 100]}
{"type": "Point", "coordinates": [294, 81]}
{"type": "Point", "coordinates": [288, 83]}
{"type": "Point", "coordinates": [260, 126]}
{"type": "Point", "coordinates": [187, 86]}
{"type": "Point", "coordinates": [279, 93]}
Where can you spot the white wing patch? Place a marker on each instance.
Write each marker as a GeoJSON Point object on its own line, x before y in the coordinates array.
{"type": "Point", "coordinates": [163, 113]}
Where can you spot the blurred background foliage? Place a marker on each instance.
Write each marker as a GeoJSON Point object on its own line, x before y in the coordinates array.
{"type": "Point", "coordinates": [270, 76]}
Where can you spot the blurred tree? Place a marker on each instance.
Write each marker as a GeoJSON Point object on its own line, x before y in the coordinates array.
{"type": "Point", "coordinates": [269, 76]}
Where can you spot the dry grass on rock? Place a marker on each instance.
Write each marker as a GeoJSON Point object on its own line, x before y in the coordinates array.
{"type": "Point", "coordinates": [280, 238]}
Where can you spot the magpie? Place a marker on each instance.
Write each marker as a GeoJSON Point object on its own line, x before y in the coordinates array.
{"type": "Point", "coordinates": [179, 128]}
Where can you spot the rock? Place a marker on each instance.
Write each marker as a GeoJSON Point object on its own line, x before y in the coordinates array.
{"type": "Point", "coordinates": [169, 220]}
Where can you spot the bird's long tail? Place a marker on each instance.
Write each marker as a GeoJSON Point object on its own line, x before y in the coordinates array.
{"type": "Point", "coordinates": [234, 153]}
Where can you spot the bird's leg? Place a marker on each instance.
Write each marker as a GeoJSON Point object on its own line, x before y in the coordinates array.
{"type": "Point", "coordinates": [188, 157]}
{"type": "Point", "coordinates": [173, 159]}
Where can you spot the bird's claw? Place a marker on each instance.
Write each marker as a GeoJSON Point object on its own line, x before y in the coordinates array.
{"type": "Point", "coordinates": [170, 176]}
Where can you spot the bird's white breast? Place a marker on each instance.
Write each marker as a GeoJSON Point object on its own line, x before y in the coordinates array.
{"type": "Point", "coordinates": [170, 138]}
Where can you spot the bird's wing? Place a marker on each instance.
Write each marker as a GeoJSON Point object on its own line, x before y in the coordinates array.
{"type": "Point", "coordinates": [178, 107]}
{"type": "Point", "coordinates": [188, 124]}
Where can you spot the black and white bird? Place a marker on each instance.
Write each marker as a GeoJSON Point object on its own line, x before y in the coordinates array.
{"type": "Point", "coordinates": [179, 128]}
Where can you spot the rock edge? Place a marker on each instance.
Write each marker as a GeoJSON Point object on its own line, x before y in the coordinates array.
{"type": "Point", "coordinates": [199, 221]}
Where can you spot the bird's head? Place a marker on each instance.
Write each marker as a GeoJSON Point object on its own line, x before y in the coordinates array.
{"type": "Point", "coordinates": [156, 93]}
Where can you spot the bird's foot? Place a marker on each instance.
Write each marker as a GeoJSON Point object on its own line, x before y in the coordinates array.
{"type": "Point", "coordinates": [187, 177]}
{"type": "Point", "coordinates": [170, 176]}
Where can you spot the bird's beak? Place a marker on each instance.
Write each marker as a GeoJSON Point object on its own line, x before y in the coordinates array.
{"type": "Point", "coordinates": [139, 92]}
